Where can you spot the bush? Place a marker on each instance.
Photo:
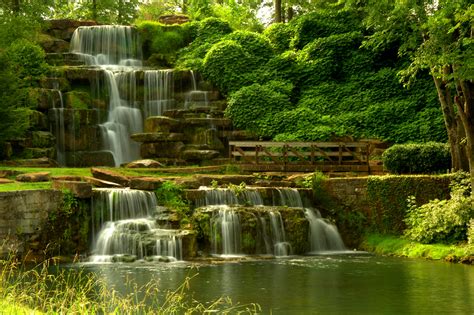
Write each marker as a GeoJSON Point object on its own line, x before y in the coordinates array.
{"type": "Point", "coordinates": [225, 65]}
{"type": "Point", "coordinates": [440, 221]}
{"type": "Point", "coordinates": [212, 28]}
{"type": "Point", "coordinates": [254, 107]}
{"type": "Point", "coordinates": [280, 35]}
{"type": "Point", "coordinates": [256, 45]}
{"type": "Point", "coordinates": [27, 61]}
{"type": "Point", "coordinates": [416, 158]}
{"type": "Point", "coordinates": [319, 24]}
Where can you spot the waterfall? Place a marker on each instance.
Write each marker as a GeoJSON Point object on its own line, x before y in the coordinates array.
{"type": "Point", "coordinates": [126, 226]}
{"type": "Point", "coordinates": [226, 232]}
{"type": "Point", "coordinates": [195, 96]}
{"type": "Point", "coordinates": [227, 196]}
{"type": "Point", "coordinates": [59, 129]}
{"type": "Point", "coordinates": [324, 236]}
{"type": "Point", "coordinates": [117, 50]}
{"type": "Point", "coordinates": [280, 246]}
{"type": "Point", "coordinates": [159, 91]}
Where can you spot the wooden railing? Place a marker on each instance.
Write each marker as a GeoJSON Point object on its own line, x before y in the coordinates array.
{"type": "Point", "coordinates": [299, 153]}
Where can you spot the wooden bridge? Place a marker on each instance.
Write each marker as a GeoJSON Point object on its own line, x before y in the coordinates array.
{"type": "Point", "coordinates": [301, 156]}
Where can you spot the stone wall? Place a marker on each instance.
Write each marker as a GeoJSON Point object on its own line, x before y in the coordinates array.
{"type": "Point", "coordinates": [23, 215]}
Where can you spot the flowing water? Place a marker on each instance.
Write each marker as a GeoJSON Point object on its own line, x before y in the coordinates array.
{"type": "Point", "coordinates": [125, 227]}
{"type": "Point", "coordinates": [341, 284]}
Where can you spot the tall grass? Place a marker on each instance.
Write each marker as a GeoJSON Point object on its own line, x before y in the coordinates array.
{"type": "Point", "coordinates": [37, 290]}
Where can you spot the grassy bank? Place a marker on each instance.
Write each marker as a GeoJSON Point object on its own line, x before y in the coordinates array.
{"type": "Point", "coordinates": [397, 246]}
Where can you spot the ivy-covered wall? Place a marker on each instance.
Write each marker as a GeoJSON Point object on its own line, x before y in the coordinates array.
{"type": "Point", "coordinates": [375, 203]}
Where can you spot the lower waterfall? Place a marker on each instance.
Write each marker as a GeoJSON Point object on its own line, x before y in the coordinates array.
{"type": "Point", "coordinates": [127, 228]}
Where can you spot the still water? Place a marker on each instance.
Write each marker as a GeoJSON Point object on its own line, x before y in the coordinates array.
{"type": "Point", "coordinates": [338, 284]}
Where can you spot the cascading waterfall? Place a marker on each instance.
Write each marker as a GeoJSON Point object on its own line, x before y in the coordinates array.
{"type": "Point", "coordinates": [59, 128]}
{"type": "Point", "coordinates": [323, 234]}
{"type": "Point", "coordinates": [226, 231]}
{"type": "Point", "coordinates": [126, 226]}
{"type": "Point", "coordinates": [280, 246]}
{"type": "Point", "coordinates": [195, 96]}
{"type": "Point", "coordinates": [159, 91]}
{"type": "Point", "coordinates": [117, 50]}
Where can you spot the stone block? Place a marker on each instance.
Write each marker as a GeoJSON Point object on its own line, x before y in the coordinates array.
{"type": "Point", "coordinates": [157, 137]}
{"type": "Point", "coordinates": [161, 150]}
{"type": "Point", "coordinates": [34, 177]}
{"type": "Point", "coordinates": [160, 124]}
{"type": "Point", "coordinates": [200, 155]}
{"type": "Point", "coordinates": [42, 139]}
{"type": "Point", "coordinates": [147, 163]}
{"type": "Point", "coordinates": [90, 158]}
{"type": "Point", "coordinates": [146, 183]}
{"type": "Point", "coordinates": [78, 189]}
{"type": "Point", "coordinates": [101, 183]}
{"type": "Point", "coordinates": [110, 176]}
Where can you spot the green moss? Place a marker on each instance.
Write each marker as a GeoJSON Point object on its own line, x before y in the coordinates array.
{"type": "Point", "coordinates": [392, 245]}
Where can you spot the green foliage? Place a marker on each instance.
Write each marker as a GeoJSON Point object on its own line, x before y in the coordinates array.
{"type": "Point", "coordinates": [15, 118]}
{"type": "Point", "coordinates": [280, 35]}
{"type": "Point", "coordinates": [254, 44]}
{"type": "Point", "coordinates": [387, 198]}
{"type": "Point", "coordinates": [212, 28]}
{"type": "Point", "coordinates": [27, 60]}
{"type": "Point", "coordinates": [225, 65]}
{"type": "Point", "coordinates": [470, 232]}
{"type": "Point", "coordinates": [439, 221]}
{"type": "Point", "coordinates": [171, 196]}
{"type": "Point", "coordinates": [239, 15]}
{"type": "Point", "coordinates": [254, 107]}
{"type": "Point", "coordinates": [392, 245]}
{"type": "Point", "coordinates": [319, 24]}
{"type": "Point", "coordinates": [420, 158]}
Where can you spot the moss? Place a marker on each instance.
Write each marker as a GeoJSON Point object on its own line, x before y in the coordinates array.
{"type": "Point", "coordinates": [396, 246]}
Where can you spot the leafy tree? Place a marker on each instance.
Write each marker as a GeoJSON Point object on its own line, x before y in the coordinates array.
{"type": "Point", "coordinates": [437, 36]}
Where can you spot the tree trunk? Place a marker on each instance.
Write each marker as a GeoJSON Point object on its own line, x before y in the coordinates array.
{"type": "Point", "coordinates": [465, 105]}
{"type": "Point", "coordinates": [16, 6]}
{"type": "Point", "coordinates": [94, 10]}
{"type": "Point", "coordinates": [277, 17]}
{"type": "Point", "coordinates": [453, 128]}
{"type": "Point", "coordinates": [289, 13]}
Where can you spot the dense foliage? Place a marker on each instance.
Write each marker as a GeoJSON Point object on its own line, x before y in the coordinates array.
{"type": "Point", "coordinates": [416, 158]}
{"type": "Point", "coordinates": [339, 88]}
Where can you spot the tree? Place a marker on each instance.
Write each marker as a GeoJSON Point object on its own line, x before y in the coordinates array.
{"type": "Point", "coordinates": [437, 36]}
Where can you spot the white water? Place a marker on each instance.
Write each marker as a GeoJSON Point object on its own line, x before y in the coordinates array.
{"type": "Point", "coordinates": [195, 96]}
{"type": "Point", "coordinates": [324, 236]}
{"type": "Point", "coordinates": [59, 128]}
{"type": "Point", "coordinates": [117, 50]}
{"type": "Point", "coordinates": [126, 227]}
{"type": "Point", "coordinates": [159, 92]}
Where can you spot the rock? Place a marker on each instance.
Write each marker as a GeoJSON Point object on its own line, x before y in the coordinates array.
{"type": "Point", "coordinates": [34, 177]}
{"type": "Point", "coordinates": [90, 158]}
{"type": "Point", "coordinates": [215, 122]}
{"type": "Point", "coordinates": [37, 153]}
{"type": "Point", "coordinates": [124, 258]}
{"type": "Point", "coordinates": [200, 155]}
{"type": "Point", "coordinates": [8, 173]}
{"type": "Point", "coordinates": [147, 163]}
{"type": "Point", "coordinates": [38, 120]}
{"type": "Point", "coordinates": [64, 28]}
{"type": "Point", "coordinates": [173, 19]}
{"type": "Point", "coordinates": [53, 45]}
{"type": "Point", "coordinates": [41, 162]}
{"type": "Point", "coordinates": [157, 137]}
{"type": "Point", "coordinates": [70, 178]}
{"type": "Point", "coordinates": [161, 150]}
{"type": "Point", "coordinates": [110, 176]}
{"type": "Point", "coordinates": [6, 181]}
{"type": "Point", "coordinates": [42, 139]}
{"type": "Point", "coordinates": [206, 180]}
{"type": "Point", "coordinates": [188, 183]}
{"type": "Point", "coordinates": [146, 183]}
{"type": "Point", "coordinates": [160, 124]}
{"type": "Point", "coordinates": [79, 189]}
{"type": "Point", "coordinates": [101, 183]}
{"type": "Point", "coordinates": [274, 183]}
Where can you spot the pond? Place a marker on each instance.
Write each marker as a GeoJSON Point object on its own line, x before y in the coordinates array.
{"type": "Point", "coordinates": [326, 284]}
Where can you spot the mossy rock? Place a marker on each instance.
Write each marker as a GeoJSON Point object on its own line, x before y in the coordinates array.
{"type": "Point", "coordinates": [77, 100]}
{"type": "Point", "coordinates": [42, 139]}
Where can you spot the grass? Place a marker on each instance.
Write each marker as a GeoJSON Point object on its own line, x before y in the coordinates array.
{"type": "Point", "coordinates": [38, 291]}
{"type": "Point", "coordinates": [24, 186]}
{"type": "Point", "coordinates": [55, 171]}
{"type": "Point", "coordinates": [393, 245]}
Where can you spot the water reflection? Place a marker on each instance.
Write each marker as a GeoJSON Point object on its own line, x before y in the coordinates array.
{"type": "Point", "coordinates": [343, 284]}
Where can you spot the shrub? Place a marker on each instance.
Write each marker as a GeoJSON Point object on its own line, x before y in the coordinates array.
{"type": "Point", "coordinates": [256, 45]}
{"type": "Point", "coordinates": [211, 28]}
{"type": "Point", "coordinates": [225, 65]}
{"type": "Point", "coordinates": [280, 35]}
{"type": "Point", "coordinates": [319, 24]}
{"type": "Point", "coordinates": [440, 221]}
{"type": "Point", "coordinates": [416, 158]}
{"type": "Point", "coordinates": [254, 107]}
{"type": "Point", "coordinates": [27, 61]}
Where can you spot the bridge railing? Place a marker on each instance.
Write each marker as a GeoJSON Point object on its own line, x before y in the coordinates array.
{"type": "Point", "coordinates": [299, 153]}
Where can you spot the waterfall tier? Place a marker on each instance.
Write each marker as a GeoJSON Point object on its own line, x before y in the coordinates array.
{"type": "Point", "coordinates": [126, 228]}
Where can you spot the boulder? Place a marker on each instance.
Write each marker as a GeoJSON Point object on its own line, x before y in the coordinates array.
{"type": "Point", "coordinates": [71, 178]}
{"type": "Point", "coordinates": [6, 181]}
{"type": "Point", "coordinates": [8, 173]}
{"type": "Point", "coordinates": [90, 158]}
{"type": "Point", "coordinates": [157, 137]}
{"type": "Point", "coordinates": [110, 176]}
{"type": "Point", "coordinates": [34, 177]}
{"type": "Point", "coordinates": [146, 183]}
{"type": "Point", "coordinates": [101, 183]}
{"type": "Point", "coordinates": [200, 155]}
{"type": "Point", "coordinates": [161, 150]}
{"type": "Point", "coordinates": [160, 124]}
{"type": "Point", "coordinates": [42, 139]}
{"type": "Point", "coordinates": [79, 189]}
{"type": "Point", "coordinates": [147, 163]}
{"type": "Point", "coordinates": [170, 19]}
{"type": "Point", "coordinates": [41, 162]}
